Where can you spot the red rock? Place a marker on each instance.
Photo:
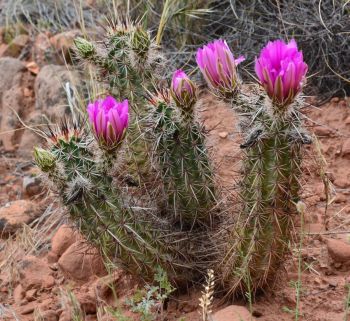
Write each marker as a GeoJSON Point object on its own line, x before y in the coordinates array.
{"type": "Point", "coordinates": [48, 87]}
{"type": "Point", "coordinates": [28, 308]}
{"type": "Point", "coordinates": [64, 43]}
{"type": "Point", "coordinates": [102, 287]}
{"type": "Point", "coordinates": [35, 274]}
{"type": "Point", "coordinates": [32, 185]}
{"type": "Point", "coordinates": [338, 250]}
{"type": "Point", "coordinates": [346, 148]}
{"type": "Point", "coordinates": [33, 67]}
{"type": "Point", "coordinates": [42, 48]}
{"type": "Point", "coordinates": [31, 295]}
{"type": "Point", "coordinates": [66, 315]}
{"type": "Point", "coordinates": [13, 102]}
{"type": "Point", "coordinates": [322, 131]}
{"type": "Point", "coordinates": [81, 261]}
{"type": "Point", "coordinates": [341, 198]}
{"type": "Point", "coordinates": [45, 304]}
{"type": "Point", "coordinates": [314, 228]}
{"type": "Point", "coordinates": [342, 182]}
{"type": "Point", "coordinates": [18, 294]}
{"type": "Point", "coordinates": [233, 313]}
{"type": "Point", "coordinates": [13, 215]}
{"type": "Point", "coordinates": [87, 303]}
{"type": "Point", "coordinates": [16, 46]}
{"type": "Point", "coordinates": [335, 99]}
{"type": "Point", "coordinates": [63, 239]}
{"type": "Point", "coordinates": [49, 315]}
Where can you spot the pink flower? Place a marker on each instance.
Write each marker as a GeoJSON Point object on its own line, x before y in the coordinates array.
{"type": "Point", "coordinates": [218, 66]}
{"type": "Point", "coordinates": [281, 70]}
{"type": "Point", "coordinates": [183, 90]}
{"type": "Point", "coordinates": [109, 120]}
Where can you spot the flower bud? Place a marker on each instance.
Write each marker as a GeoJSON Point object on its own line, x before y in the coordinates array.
{"type": "Point", "coordinates": [281, 71]}
{"type": "Point", "coordinates": [44, 159]}
{"type": "Point", "coordinates": [218, 67]}
{"type": "Point", "coordinates": [85, 48]}
{"type": "Point", "coordinates": [183, 90]}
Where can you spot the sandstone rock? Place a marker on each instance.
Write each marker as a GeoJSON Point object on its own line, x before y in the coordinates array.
{"type": "Point", "coordinates": [13, 102]}
{"type": "Point", "coordinates": [15, 47]}
{"type": "Point", "coordinates": [29, 138]}
{"type": "Point", "coordinates": [233, 313]}
{"type": "Point", "coordinates": [18, 294]}
{"type": "Point", "coordinates": [32, 185]}
{"type": "Point", "coordinates": [31, 295]}
{"type": "Point", "coordinates": [87, 303]}
{"type": "Point", "coordinates": [102, 287]}
{"type": "Point", "coordinates": [13, 215]}
{"type": "Point", "coordinates": [35, 274]}
{"type": "Point", "coordinates": [49, 315]}
{"type": "Point", "coordinates": [33, 67]}
{"type": "Point", "coordinates": [66, 315]}
{"type": "Point", "coordinates": [63, 239]}
{"type": "Point", "coordinates": [338, 250]}
{"type": "Point", "coordinates": [342, 182]}
{"type": "Point", "coordinates": [335, 99]}
{"type": "Point", "coordinates": [81, 261]}
{"type": "Point", "coordinates": [346, 148]}
{"type": "Point", "coordinates": [64, 43]}
{"type": "Point", "coordinates": [28, 308]}
{"type": "Point", "coordinates": [223, 134]}
{"type": "Point", "coordinates": [42, 49]}
{"type": "Point", "coordinates": [322, 131]}
{"type": "Point", "coordinates": [49, 91]}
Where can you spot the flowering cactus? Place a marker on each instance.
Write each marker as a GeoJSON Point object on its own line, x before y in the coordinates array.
{"type": "Point", "coordinates": [109, 120]}
{"type": "Point", "coordinates": [270, 187]}
{"type": "Point", "coordinates": [183, 90]}
{"type": "Point", "coordinates": [281, 70]}
{"type": "Point", "coordinates": [218, 66]}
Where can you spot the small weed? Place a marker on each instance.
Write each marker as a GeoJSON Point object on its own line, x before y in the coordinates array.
{"type": "Point", "coordinates": [150, 300]}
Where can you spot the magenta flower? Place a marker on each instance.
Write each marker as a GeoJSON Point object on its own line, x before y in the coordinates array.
{"type": "Point", "coordinates": [183, 90]}
{"type": "Point", "coordinates": [281, 70]}
{"type": "Point", "coordinates": [109, 120]}
{"type": "Point", "coordinates": [218, 66]}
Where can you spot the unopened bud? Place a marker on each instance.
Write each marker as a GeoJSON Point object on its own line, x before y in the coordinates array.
{"type": "Point", "coordinates": [84, 47]}
{"type": "Point", "coordinates": [44, 159]}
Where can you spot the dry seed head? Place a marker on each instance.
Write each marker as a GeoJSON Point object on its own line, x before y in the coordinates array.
{"type": "Point", "coordinates": [206, 300]}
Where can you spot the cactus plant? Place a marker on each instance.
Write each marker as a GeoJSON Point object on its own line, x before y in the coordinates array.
{"type": "Point", "coordinates": [260, 235]}
{"type": "Point", "coordinates": [179, 235]}
{"type": "Point", "coordinates": [135, 239]}
{"type": "Point", "coordinates": [181, 154]}
{"type": "Point", "coordinates": [127, 63]}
